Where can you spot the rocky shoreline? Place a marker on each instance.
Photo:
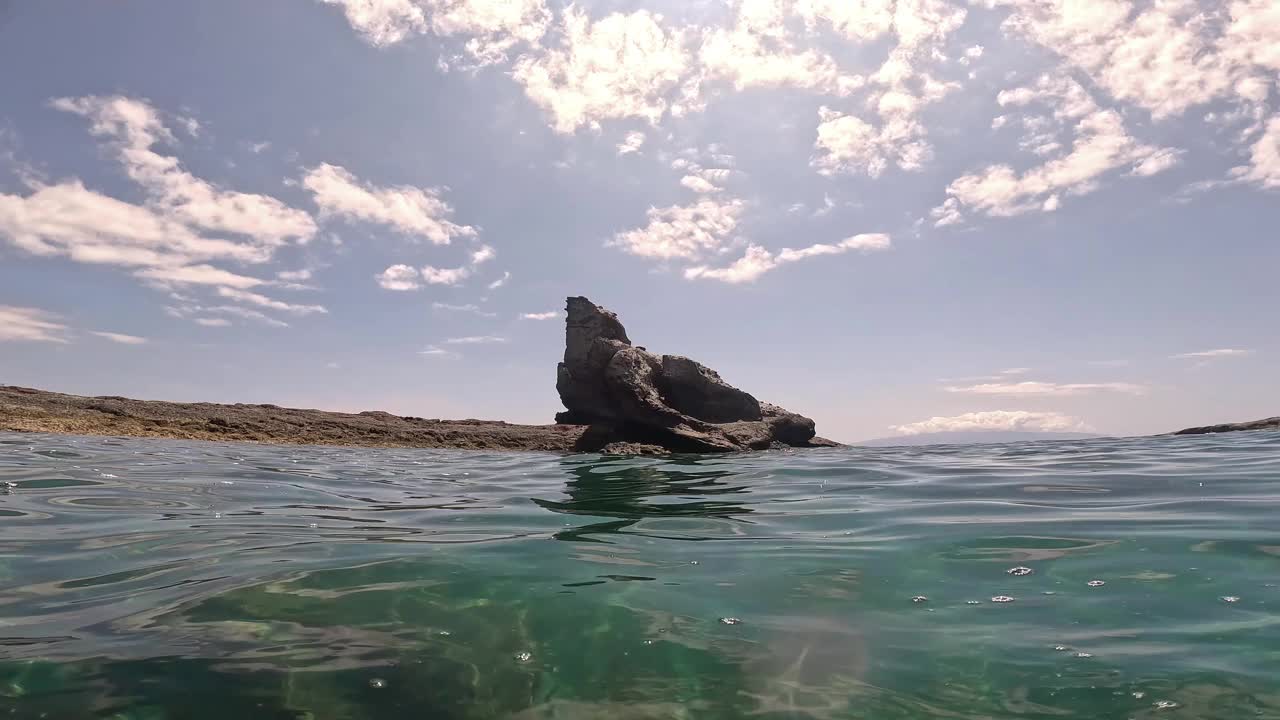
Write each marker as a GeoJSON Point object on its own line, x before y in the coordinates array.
{"type": "Point", "coordinates": [29, 410]}
{"type": "Point", "coordinates": [1266, 424]}
{"type": "Point", "coordinates": [620, 399]}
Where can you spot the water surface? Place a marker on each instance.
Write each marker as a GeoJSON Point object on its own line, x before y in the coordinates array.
{"type": "Point", "coordinates": [165, 580]}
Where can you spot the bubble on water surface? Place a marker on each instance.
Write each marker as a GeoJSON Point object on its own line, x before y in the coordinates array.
{"type": "Point", "coordinates": [973, 602]}
{"type": "Point", "coordinates": [523, 657]}
{"type": "Point", "coordinates": [1096, 583]}
{"type": "Point", "coordinates": [1001, 599]}
{"type": "Point", "coordinates": [313, 525]}
{"type": "Point", "coordinates": [1084, 655]}
{"type": "Point", "coordinates": [377, 683]}
{"type": "Point", "coordinates": [1061, 648]}
{"type": "Point", "coordinates": [1165, 704]}
{"type": "Point", "coordinates": [919, 599]}
{"type": "Point", "coordinates": [1019, 571]}
{"type": "Point", "coordinates": [1138, 695]}
{"type": "Point", "coordinates": [730, 621]}
{"type": "Point", "coordinates": [1230, 599]}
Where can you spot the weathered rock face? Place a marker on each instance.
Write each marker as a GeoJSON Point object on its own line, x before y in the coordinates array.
{"type": "Point", "coordinates": [633, 398]}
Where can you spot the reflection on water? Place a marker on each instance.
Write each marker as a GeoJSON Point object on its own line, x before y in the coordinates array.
{"type": "Point", "coordinates": [163, 580]}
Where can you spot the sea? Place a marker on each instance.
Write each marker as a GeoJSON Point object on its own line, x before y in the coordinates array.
{"type": "Point", "coordinates": [1091, 579]}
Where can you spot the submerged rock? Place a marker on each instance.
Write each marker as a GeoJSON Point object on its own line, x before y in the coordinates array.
{"type": "Point", "coordinates": [633, 398]}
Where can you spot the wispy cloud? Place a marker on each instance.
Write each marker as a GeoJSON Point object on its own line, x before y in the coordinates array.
{"type": "Point", "coordinates": [468, 308]}
{"type": "Point", "coordinates": [120, 338]}
{"type": "Point", "coordinates": [541, 316]}
{"type": "Point", "coordinates": [757, 261]}
{"type": "Point", "coordinates": [413, 211]}
{"type": "Point", "coordinates": [1008, 420]}
{"type": "Point", "coordinates": [1212, 354]}
{"type": "Point", "coordinates": [476, 340]}
{"type": "Point", "coordinates": [22, 324]}
{"type": "Point", "coordinates": [433, 351]}
{"type": "Point", "coordinates": [1031, 388]}
{"type": "Point", "coordinates": [506, 277]}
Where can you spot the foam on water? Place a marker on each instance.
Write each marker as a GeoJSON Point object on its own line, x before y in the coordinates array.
{"type": "Point", "coordinates": [162, 580]}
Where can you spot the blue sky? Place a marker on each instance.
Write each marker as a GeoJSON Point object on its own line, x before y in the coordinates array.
{"type": "Point", "coordinates": [895, 216]}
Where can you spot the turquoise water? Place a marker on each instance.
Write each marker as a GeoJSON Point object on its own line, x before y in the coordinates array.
{"type": "Point", "coordinates": [156, 580]}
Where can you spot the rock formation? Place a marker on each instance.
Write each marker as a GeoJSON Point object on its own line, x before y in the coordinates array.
{"type": "Point", "coordinates": [1267, 424]}
{"type": "Point", "coordinates": [635, 400]}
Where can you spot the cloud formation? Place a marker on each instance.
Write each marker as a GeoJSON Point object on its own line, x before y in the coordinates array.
{"type": "Point", "coordinates": [1031, 388]}
{"type": "Point", "coordinates": [1008, 420]}
{"type": "Point", "coordinates": [757, 261]}
{"type": "Point", "coordinates": [412, 211]}
{"type": "Point", "coordinates": [22, 324]}
{"type": "Point", "coordinates": [120, 338]}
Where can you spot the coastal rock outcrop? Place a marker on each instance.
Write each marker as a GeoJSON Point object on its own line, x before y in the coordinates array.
{"type": "Point", "coordinates": [635, 400]}
{"type": "Point", "coordinates": [1265, 424]}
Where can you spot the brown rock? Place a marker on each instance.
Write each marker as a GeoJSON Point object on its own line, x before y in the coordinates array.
{"type": "Point", "coordinates": [632, 397]}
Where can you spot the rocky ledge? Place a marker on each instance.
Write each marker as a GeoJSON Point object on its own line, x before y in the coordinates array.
{"type": "Point", "coordinates": [1267, 424]}
{"type": "Point", "coordinates": [621, 400]}
{"type": "Point", "coordinates": [632, 400]}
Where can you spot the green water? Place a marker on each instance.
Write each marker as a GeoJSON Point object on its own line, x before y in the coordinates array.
{"type": "Point", "coordinates": [154, 580]}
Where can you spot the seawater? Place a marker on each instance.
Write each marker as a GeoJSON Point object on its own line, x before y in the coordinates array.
{"type": "Point", "coordinates": [165, 580]}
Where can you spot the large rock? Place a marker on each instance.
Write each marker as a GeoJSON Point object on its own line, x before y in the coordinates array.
{"type": "Point", "coordinates": [633, 398]}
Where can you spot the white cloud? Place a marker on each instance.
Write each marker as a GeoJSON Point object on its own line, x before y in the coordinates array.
{"type": "Point", "coordinates": [858, 20]}
{"type": "Point", "coordinates": [294, 275]}
{"type": "Point", "coordinates": [1101, 146]}
{"type": "Point", "coordinates": [166, 277]}
{"type": "Point", "coordinates": [1166, 57]}
{"type": "Point", "coordinates": [757, 52]}
{"type": "Point", "coordinates": [20, 324]}
{"type": "Point", "coordinates": [483, 254]}
{"type": "Point", "coordinates": [383, 22]}
{"type": "Point", "coordinates": [685, 232]}
{"type": "Point", "coordinates": [468, 308]}
{"type": "Point", "coordinates": [1010, 420]}
{"type": "Point", "coordinates": [632, 143]}
{"type": "Point", "coordinates": [174, 237]}
{"type": "Point", "coordinates": [1157, 162]}
{"type": "Point", "coordinates": [433, 351]}
{"type": "Point", "coordinates": [621, 66]}
{"type": "Point", "coordinates": [213, 322]}
{"type": "Point", "coordinates": [252, 298]}
{"type": "Point", "coordinates": [1211, 354]}
{"type": "Point", "coordinates": [1031, 388]}
{"type": "Point", "coordinates": [120, 338]}
{"type": "Point", "coordinates": [757, 261]}
{"type": "Point", "coordinates": [491, 27]}
{"type": "Point", "coordinates": [698, 184]}
{"type": "Point", "coordinates": [444, 276]}
{"type": "Point", "coordinates": [189, 309]}
{"type": "Point", "coordinates": [542, 315]}
{"type": "Point", "coordinates": [847, 144]}
{"type": "Point", "coordinates": [399, 277]}
{"type": "Point", "coordinates": [476, 340]}
{"type": "Point", "coordinates": [134, 128]}
{"type": "Point", "coordinates": [506, 277]}
{"type": "Point", "coordinates": [1264, 157]}
{"type": "Point", "coordinates": [410, 210]}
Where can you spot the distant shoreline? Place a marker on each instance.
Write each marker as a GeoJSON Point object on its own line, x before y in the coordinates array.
{"type": "Point", "coordinates": [31, 410]}
{"type": "Point", "coordinates": [41, 411]}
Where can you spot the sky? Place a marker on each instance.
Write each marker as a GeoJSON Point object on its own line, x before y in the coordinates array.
{"type": "Point", "coordinates": [894, 216]}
